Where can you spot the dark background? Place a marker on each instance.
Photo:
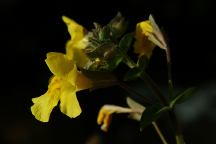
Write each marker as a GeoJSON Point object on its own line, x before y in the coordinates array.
{"type": "Point", "coordinates": [30, 29]}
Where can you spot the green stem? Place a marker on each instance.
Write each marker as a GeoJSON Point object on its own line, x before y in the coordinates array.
{"type": "Point", "coordinates": [155, 89]}
{"type": "Point", "coordinates": [169, 69]}
{"type": "Point", "coordinates": [159, 133]}
{"type": "Point", "coordinates": [178, 132]}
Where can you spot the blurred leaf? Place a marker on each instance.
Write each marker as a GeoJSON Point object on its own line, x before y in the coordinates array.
{"type": "Point", "coordinates": [138, 70]}
{"type": "Point", "coordinates": [185, 95]}
{"type": "Point", "coordinates": [152, 114]}
{"type": "Point", "coordinates": [125, 43]}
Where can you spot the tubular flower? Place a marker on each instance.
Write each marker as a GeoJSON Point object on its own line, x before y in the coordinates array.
{"type": "Point", "coordinates": [105, 114]}
{"type": "Point", "coordinates": [64, 84]}
{"type": "Point", "coordinates": [151, 30]}
{"type": "Point", "coordinates": [78, 41]}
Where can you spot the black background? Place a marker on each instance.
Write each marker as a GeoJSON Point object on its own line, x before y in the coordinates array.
{"type": "Point", "coordinates": [30, 29]}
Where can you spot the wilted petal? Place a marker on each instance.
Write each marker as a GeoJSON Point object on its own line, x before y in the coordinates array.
{"type": "Point", "coordinates": [58, 64]}
{"type": "Point", "coordinates": [69, 104]}
{"type": "Point", "coordinates": [158, 32]}
{"type": "Point", "coordinates": [134, 105]}
{"type": "Point", "coordinates": [138, 109]}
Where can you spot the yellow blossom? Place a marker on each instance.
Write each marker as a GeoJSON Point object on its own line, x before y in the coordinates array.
{"type": "Point", "coordinates": [64, 84]}
{"type": "Point", "coordinates": [78, 41]}
{"type": "Point", "coordinates": [105, 114]}
{"type": "Point", "coordinates": [142, 45]}
{"type": "Point", "coordinates": [148, 30]}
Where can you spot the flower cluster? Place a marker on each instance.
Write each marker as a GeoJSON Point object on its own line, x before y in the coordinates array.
{"type": "Point", "coordinates": [96, 50]}
{"type": "Point", "coordinates": [89, 62]}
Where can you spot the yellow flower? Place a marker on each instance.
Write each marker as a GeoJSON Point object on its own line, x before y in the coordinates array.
{"type": "Point", "coordinates": [64, 84]}
{"type": "Point", "coordinates": [78, 41]}
{"type": "Point", "coordinates": [148, 30]}
{"type": "Point", "coordinates": [105, 114]}
{"type": "Point", "coordinates": [142, 45]}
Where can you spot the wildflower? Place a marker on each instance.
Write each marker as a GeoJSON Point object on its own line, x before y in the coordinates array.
{"type": "Point", "coordinates": [106, 112]}
{"type": "Point", "coordinates": [78, 41]}
{"type": "Point", "coordinates": [64, 84]}
{"type": "Point", "coordinates": [153, 32]}
{"type": "Point", "coordinates": [147, 36]}
{"type": "Point", "coordinates": [105, 115]}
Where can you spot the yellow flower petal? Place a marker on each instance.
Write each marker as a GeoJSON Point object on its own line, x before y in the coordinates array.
{"type": "Point", "coordinates": [44, 105]}
{"type": "Point", "coordinates": [142, 45]}
{"type": "Point", "coordinates": [77, 43]}
{"type": "Point", "coordinates": [58, 64]}
{"type": "Point", "coordinates": [145, 27]}
{"type": "Point", "coordinates": [71, 77]}
{"type": "Point", "coordinates": [74, 50]}
{"type": "Point", "coordinates": [106, 123]}
{"type": "Point", "coordinates": [69, 104]}
{"type": "Point", "coordinates": [77, 32]}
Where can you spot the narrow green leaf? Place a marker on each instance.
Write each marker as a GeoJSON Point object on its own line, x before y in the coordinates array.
{"type": "Point", "coordinates": [185, 95]}
{"type": "Point", "coordinates": [152, 114]}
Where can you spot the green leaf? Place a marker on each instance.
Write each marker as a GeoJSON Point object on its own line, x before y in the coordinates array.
{"type": "Point", "coordinates": [185, 95]}
{"type": "Point", "coordinates": [138, 70]}
{"type": "Point", "coordinates": [152, 114]}
{"type": "Point", "coordinates": [104, 33]}
{"type": "Point", "coordinates": [125, 43]}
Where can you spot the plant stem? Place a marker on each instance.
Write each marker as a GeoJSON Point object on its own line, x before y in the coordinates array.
{"type": "Point", "coordinates": [155, 89]}
{"type": "Point", "coordinates": [178, 132]}
{"type": "Point", "coordinates": [159, 133]}
{"type": "Point", "coordinates": [169, 69]}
